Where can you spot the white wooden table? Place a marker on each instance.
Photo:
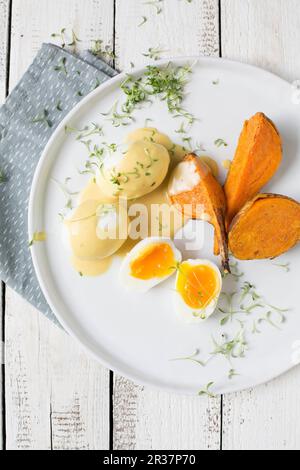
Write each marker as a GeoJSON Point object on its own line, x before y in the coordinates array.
{"type": "Point", "coordinates": [53, 395]}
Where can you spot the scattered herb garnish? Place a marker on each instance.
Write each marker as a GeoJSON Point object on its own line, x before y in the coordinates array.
{"type": "Point", "coordinates": [61, 67]}
{"type": "Point", "coordinates": [232, 373]}
{"type": "Point", "coordinates": [181, 129]}
{"type": "Point", "coordinates": [269, 318]}
{"type": "Point", "coordinates": [59, 106]}
{"type": "Point", "coordinates": [64, 187]}
{"type": "Point", "coordinates": [3, 178]}
{"type": "Point", "coordinates": [99, 50]}
{"type": "Point", "coordinates": [191, 358]}
{"type": "Point", "coordinates": [88, 131]}
{"type": "Point", "coordinates": [286, 266]}
{"type": "Point", "coordinates": [144, 20]}
{"type": "Point", "coordinates": [118, 118]}
{"type": "Point", "coordinates": [167, 82]}
{"type": "Point", "coordinates": [61, 36]}
{"type": "Point", "coordinates": [74, 40]}
{"type": "Point", "coordinates": [220, 143]}
{"type": "Point", "coordinates": [228, 311]}
{"type": "Point", "coordinates": [154, 53]}
{"type": "Point", "coordinates": [206, 391]}
{"type": "Point", "coordinates": [231, 349]}
{"type": "Point", "coordinates": [235, 271]}
{"type": "Point", "coordinates": [155, 4]}
{"type": "Point", "coordinates": [43, 118]}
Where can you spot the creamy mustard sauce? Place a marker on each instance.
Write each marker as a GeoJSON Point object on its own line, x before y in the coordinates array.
{"type": "Point", "coordinates": [91, 268]}
{"type": "Point", "coordinates": [143, 174]}
{"type": "Point", "coordinates": [96, 231]}
{"type": "Point", "coordinates": [227, 164]}
{"type": "Point", "coordinates": [139, 171]}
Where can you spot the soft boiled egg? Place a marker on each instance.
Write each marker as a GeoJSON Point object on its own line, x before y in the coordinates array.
{"type": "Point", "coordinates": [198, 288]}
{"type": "Point", "coordinates": [151, 262]}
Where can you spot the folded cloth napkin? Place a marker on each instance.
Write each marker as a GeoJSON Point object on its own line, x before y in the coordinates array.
{"type": "Point", "coordinates": [55, 82]}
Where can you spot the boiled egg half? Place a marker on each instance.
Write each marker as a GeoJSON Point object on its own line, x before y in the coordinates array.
{"type": "Point", "coordinates": [151, 262]}
{"type": "Point", "coordinates": [198, 288]}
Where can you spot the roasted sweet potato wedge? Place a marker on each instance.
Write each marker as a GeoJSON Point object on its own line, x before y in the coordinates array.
{"type": "Point", "coordinates": [193, 188]}
{"type": "Point", "coordinates": [266, 227]}
{"type": "Point", "coordinates": [257, 158]}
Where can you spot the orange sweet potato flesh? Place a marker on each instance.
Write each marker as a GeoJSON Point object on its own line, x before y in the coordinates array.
{"type": "Point", "coordinates": [208, 194]}
{"type": "Point", "coordinates": [266, 227]}
{"type": "Point", "coordinates": [257, 158]}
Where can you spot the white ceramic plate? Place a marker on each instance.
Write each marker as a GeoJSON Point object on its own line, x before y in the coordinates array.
{"type": "Point", "coordinates": [138, 336]}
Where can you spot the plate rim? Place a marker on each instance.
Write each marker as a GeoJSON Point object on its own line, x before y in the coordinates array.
{"type": "Point", "coordinates": [34, 189]}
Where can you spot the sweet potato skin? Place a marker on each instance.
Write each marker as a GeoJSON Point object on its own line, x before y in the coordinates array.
{"type": "Point", "coordinates": [258, 157]}
{"type": "Point", "coordinates": [209, 194]}
{"type": "Point", "coordinates": [266, 227]}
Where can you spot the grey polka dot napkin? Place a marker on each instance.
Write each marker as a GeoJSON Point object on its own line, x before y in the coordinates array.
{"type": "Point", "coordinates": [54, 83]}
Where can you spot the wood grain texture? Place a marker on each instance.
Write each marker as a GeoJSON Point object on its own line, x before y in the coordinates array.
{"type": "Point", "coordinates": [4, 26]}
{"type": "Point", "coordinates": [151, 420]}
{"type": "Point", "coordinates": [56, 397]}
{"type": "Point", "coordinates": [4, 20]}
{"type": "Point", "coordinates": [181, 29]}
{"type": "Point", "coordinates": [146, 419]}
{"type": "Point", "coordinates": [265, 34]}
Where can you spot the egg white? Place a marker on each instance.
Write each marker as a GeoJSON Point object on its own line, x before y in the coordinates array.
{"type": "Point", "coordinates": [138, 285]}
{"type": "Point", "coordinates": [189, 314]}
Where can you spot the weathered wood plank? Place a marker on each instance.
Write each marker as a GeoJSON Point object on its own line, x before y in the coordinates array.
{"type": "Point", "coordinates": [4, 20]}
{"type": "Point", "coordinates": [56, 397]}
{"type": "Point", "coordinates": [145, 419]}
{"type": "Point", "coordinates": [4, 25]}
{"type": "Point", "coordinates": [265, 34]}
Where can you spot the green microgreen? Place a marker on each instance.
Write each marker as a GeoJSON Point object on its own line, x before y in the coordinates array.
{"type": "Point", "coordinates": [96, 155]}
{"type": "Point", "coordinates": [221, 143]}
{"type": "Point", "coordinates": [157, 4]}
{"type": "Point", "coordinates": [101, 51]}
{"type": "Point", "coordinates": [118, 118]}
{"type": "Point", "coordinates": [59, 106]}
{"type": "Point", "coordinates": [231, 349]}
{"type": "Point", "coordinates": [61, 66]}
{"type": "Point", "coordinates": [64, 187]}
{"type": "Point", "coordinates": [269, 318]}
{"type": "Point", "coordinates": [192, 358]}
{"type": "Point", "coordinates": [206, 391]}
{"type": "Point", "coordinates": [167, 82]}
{"type": "Point", "coordinates": [43, 118]}
{"type": "Point", "coordinates": [3, 178]}
{"type": "Point", "coordinates": [154, 53]}
{"type": "Point", "coordinates": [235, 271]}
{"type": "Point", "coordinates": [143, 21]}
{"type": "Point", "coordinates": [228, 310]}
{"type": "Point", "coordinates": [286, 267]}
{"type": "Point", "coordinates": [61, 36]}
{"type": "Point", "coordinates": [74, 41]}
{"type": "Point", "coordinates": [232, 373]}
{"type": "Point", "coordinates": [87, 131]}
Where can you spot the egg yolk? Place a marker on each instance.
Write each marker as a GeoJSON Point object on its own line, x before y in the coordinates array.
{"type": "Point", "coordinates": [155, 261]}
{"type": "Point", "coordinates": [197, 285]}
